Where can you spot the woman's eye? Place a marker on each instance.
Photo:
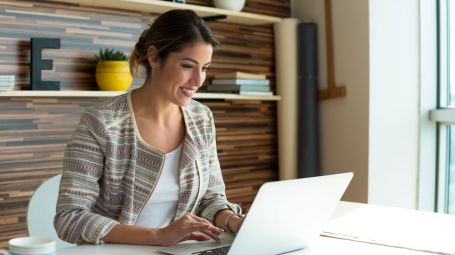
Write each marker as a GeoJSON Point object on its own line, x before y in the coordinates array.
{"type": "Point", "coordinates": [205, 68]}
{"type": "Point", "coordinates": [187, 66]}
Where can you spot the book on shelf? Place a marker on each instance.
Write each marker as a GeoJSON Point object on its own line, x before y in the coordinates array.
{"type": "Point", "coordinates": [236, 88]}
{"type": "Point", "coordinates": [7, 78]}
{"type": "Point", "coordinates": [7, 87]}
{"type": "Point", "coordinates": [256, 93]}
{"type": "Point", "coordinates": [240, 82]}
{"type": "Point", "coordinates": [7, 82]}
{"type": "Point", "coordinates": [240, 75]}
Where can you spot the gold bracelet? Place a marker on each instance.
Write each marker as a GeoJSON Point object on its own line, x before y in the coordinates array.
{"type": "Point", "coordinates": [226, 223]}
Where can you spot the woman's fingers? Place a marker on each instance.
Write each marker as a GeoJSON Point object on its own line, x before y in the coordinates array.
{"type": "Point", "coordinates": [212, 235]}
{"type": "Point", "coordinates": [207, 229]}
{"type": "Point", "coordinates": [198, 236]}
{"type": "Point", "coordinates": [199, 219]}
{"type": "Point", "coordinates": [196, 226]}
{"type": "Point", "coordinates": [190, 227]}
{"type": "Point", "coordinates": [213, 228]}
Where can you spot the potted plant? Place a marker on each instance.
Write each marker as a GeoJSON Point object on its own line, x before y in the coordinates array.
{"type": "Point", "coordinates": [112, 71]}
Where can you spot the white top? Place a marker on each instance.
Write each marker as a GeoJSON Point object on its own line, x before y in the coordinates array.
{"type": "Point", "coordinates": [160, 209]}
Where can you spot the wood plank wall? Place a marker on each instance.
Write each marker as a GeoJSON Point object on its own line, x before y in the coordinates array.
{"type": "Point", "coordinates": [34, 131]}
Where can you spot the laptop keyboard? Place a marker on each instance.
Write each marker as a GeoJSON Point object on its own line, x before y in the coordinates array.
{"type": "Point", "coordinates": [216, 251]}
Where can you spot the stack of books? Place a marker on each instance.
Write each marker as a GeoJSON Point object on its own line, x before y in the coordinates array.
{"type": "Point", "coordinates": [240, 83]}
{"type": "Point", "coordinates": [7, 82]}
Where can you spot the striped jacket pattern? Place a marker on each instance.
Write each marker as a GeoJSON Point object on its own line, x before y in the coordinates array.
{"type": "Point", "coordinates": [109, 172]}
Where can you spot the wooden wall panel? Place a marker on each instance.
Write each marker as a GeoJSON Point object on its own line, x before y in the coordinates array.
{"type": "Point", "coordinates": [247, 146]}
{"type": "Point", "coordinates": [33, 134]}
{"type": "Point", "coordinates": [34, 131]}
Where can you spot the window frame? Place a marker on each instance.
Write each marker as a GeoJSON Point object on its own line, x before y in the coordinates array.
{"type": "Point", "coordinates": [443, 116]}
{"type": "Point", "coordinates": [428, 80]}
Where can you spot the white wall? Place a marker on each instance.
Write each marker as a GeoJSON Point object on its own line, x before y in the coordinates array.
{"type": "Point", "coordinates": [374, 130]}
{"type": "Point", "coordinates": [394, 87]}
{"type": "Point", "coordinates": [344, 121]}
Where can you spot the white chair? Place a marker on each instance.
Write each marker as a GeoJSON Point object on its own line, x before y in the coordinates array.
{"type": "Point", "coordinates": [41, 211]}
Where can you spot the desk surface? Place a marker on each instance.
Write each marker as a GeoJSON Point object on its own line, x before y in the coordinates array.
{"type": "Point", "coordinates": [412, 229]}
{"type": "Point", "coordinates": [324, 246]}
{"type": "Point", "coordinates": [354, 229]}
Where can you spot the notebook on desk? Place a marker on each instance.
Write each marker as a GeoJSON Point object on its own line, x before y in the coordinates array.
{"type": "Point", "coordinates": [285, 216]}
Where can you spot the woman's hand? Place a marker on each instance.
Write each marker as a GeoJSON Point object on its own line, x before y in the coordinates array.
{"type": "Point", "coordinates": [235, 222]}
{"type": "Point", "coordinates": [188, 227]}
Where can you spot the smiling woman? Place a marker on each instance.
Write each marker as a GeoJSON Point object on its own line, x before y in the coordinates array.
{"type": "Point", "coordinates": [143, 168]}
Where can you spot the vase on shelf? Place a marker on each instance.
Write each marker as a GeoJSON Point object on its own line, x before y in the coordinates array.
{"type": "Point", "coordinates": [113, 75]}
{"type": "Point", "coordinates": [113, 71]}
{"type": "Point", "coordinates": [232, 5]}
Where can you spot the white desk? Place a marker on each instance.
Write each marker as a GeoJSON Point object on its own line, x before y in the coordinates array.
{"type": "Point", "coordinates": [324, 246]}
{"type": "Point", "coordinates": [367, 224]}
{"type": "Point", "coordinates": [412, 229]}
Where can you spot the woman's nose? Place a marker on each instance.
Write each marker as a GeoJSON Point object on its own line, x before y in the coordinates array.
{"type": "Point", "coordinates": [198, 78]}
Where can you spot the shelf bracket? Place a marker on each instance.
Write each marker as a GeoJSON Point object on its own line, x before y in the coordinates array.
{"type": "Point", "coordinates": [214, 17]}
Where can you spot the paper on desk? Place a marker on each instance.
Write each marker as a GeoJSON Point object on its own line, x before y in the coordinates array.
{"type": "Point", "coordinates": [411, 229]}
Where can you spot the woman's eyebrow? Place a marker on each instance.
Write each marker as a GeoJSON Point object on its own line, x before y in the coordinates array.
{"type": "Point", "coordinates": [194, 61]}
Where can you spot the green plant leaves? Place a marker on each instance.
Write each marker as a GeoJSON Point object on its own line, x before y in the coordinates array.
{"type": "Point", "coordinates": [110, 54]}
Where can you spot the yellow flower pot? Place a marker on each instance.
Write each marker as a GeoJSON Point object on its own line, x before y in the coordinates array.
{"type": "Point", "coordinates": [113, 75]}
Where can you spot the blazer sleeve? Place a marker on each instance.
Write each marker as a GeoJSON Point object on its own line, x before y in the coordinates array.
{"type": "Point", "coordinates": [83, 166]}
{"type": "Point", "coordinates": [214, 198]}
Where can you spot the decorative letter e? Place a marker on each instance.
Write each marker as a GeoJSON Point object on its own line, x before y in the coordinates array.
{"type": "Point", "coordinates": [37, 64]}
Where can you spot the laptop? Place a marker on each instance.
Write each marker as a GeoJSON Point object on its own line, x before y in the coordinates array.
{"type": "Point", "coordinates": [285, 216]}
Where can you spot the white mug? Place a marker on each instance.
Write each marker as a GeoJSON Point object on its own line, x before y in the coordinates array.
{"type": "Point", "coordinates": [30, 245]}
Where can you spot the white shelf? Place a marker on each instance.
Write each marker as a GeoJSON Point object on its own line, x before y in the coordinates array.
{"type": "Point", "coordinates": [58, 93]}
{"type": "Point", "coordinates": [81, 93]}
{"type": "Point", "coordinates": [163, 6]}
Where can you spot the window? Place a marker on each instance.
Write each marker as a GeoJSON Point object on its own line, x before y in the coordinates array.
{"type": "Point", "coordinates": [444, 115]}
{"type": "Point", "coordinates": [450, 193]}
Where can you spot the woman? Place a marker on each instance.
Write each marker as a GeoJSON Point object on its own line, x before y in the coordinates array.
{"type": "Point", "coordinates": [142, 168]}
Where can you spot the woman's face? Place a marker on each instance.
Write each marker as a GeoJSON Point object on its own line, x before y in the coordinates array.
{"type": "Point", "coordinates": [183, 72]}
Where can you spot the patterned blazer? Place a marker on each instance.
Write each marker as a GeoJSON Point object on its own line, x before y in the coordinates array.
{"type": "Point", "coordinates": [109, 173]}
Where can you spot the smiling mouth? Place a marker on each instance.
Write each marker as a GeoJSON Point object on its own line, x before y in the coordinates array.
{"type": "Point", "coordinates": [188, 92]}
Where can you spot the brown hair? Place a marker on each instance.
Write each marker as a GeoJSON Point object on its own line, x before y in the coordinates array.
{"type": "Point", "coordinates": [170, 32]}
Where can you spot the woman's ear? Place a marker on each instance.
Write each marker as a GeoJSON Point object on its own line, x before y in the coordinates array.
{"type": "Point", "coordinates": [152, 57]}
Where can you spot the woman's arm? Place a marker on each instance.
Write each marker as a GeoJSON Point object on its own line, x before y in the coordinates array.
{"type": "Point", "coordinates": [188, 227]}
{"type": "Point", "coordinates": [83, 166]}
{"type": "Point", "coordinates": [233, 223]}
{"type": "Point", "coordinates": [132, 234]}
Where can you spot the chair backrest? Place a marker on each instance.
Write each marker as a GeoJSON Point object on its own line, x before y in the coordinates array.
{"type": "Point", "coordinates": [41, 211]}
